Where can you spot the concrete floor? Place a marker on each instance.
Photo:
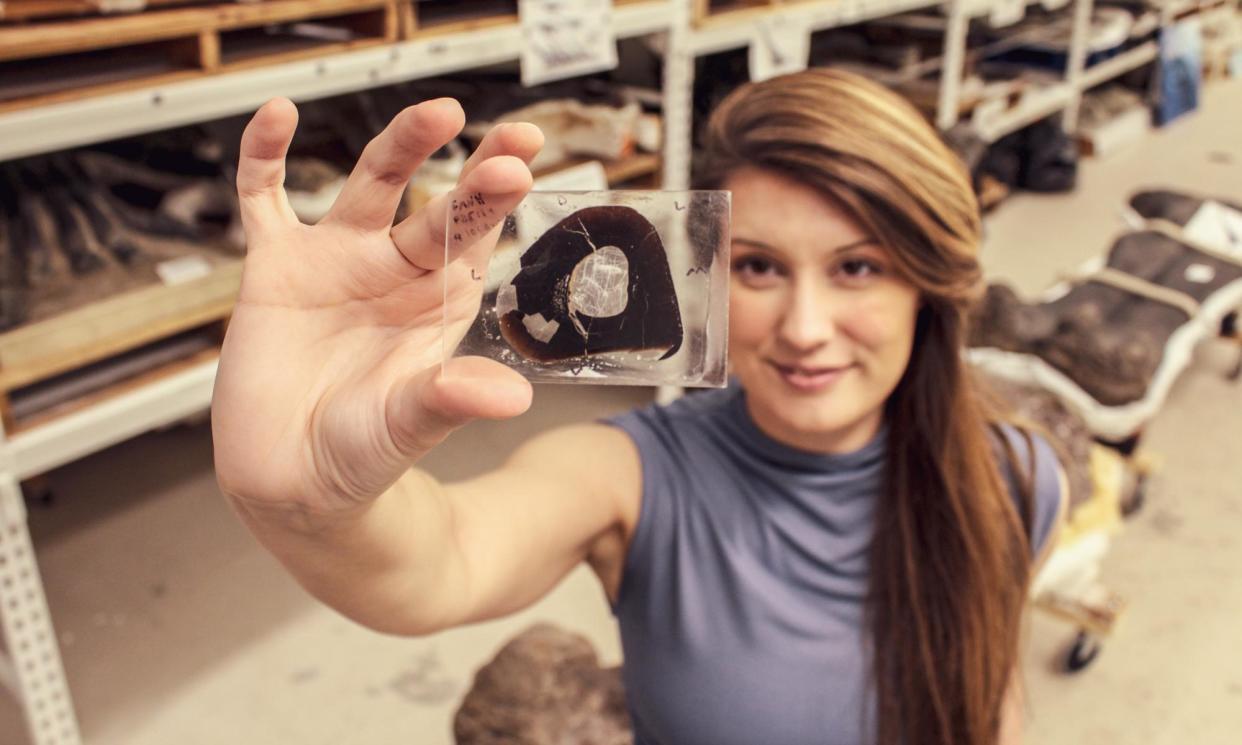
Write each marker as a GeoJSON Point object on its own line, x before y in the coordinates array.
{"type": "Point", "coordinates": [176, 628]}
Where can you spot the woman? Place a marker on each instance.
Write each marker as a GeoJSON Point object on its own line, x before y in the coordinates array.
{"type": "Point", "coordinates": [835, 549]}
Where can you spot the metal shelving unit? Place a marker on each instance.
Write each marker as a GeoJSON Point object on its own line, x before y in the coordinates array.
{"type": "Point", "coordinates": [816, 15]}
{"type": "Point", "coordinates": [1035, 105]}
{"type": "Point", "coordinates": [30, 131]}
{"type": "Point", "coordinates": [1064, 96]}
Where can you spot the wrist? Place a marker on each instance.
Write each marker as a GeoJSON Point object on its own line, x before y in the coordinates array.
{"type": "Point", "coordinates": [295, 516]}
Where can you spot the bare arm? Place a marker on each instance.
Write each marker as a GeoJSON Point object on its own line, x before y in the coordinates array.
{"type": "Point", "coordinates": [330, 387]}
{"type": "Point", "coordinates": [426, 556]}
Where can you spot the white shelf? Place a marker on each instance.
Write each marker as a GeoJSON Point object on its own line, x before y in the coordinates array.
{"type": "Point", "coordinates": [1119, 65]}
{"type": "Point", "coordinates": [1035, 105]}
{"type": "Point", "coordinates": [1185, 7]}
{"type": "Point", "coordinates": [58, 126]}
{"type": "Point", "coordinates": [725, 33]}
{"type": "Point", "coordinates": [67, 438]}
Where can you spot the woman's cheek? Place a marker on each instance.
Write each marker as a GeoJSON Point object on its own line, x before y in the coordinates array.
{"type": "Point", "coordinates": [882, 325]}
{"type": "Point", "coordinates": [750, 320]}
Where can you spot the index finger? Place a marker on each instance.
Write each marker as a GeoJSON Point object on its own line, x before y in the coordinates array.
{"type": "Point", "coordinates": [261, 166]}
{"type": "Point", "coordinates": [519, 139]}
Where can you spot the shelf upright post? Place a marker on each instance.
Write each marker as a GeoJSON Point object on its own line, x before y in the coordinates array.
{"type": "Point", "coordinates": [33, 669]}
{"type": "Point", "coordinates": [678, 118]}
{"type": "Point", "coordinates": [1076, 64]}
{"type": "Point", "coordinates": [678, 97]}
{"type": "Point", "coordinates": [948, 102]}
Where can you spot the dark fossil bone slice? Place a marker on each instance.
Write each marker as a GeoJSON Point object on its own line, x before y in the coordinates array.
{"type": "Point", "coordinates": [596, 282]}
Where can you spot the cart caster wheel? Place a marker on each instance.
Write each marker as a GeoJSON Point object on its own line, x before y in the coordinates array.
{"type": "Point", "coordinates": [1136, 499]}
{"type": "Point", "coordinates": [1230, 329]}
{"type": "Point", "coordinates": [1084, 651]}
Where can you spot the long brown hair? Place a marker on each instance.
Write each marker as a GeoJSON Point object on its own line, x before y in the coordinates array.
{"type": "Point", "coordinates": [950, 557]}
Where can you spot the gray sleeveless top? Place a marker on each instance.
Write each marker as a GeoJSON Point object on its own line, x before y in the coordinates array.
{"type": "Point", "coordinates": [741, 602]}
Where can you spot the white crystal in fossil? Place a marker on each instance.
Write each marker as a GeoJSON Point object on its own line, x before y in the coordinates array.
{"type": "Point", "coordinates": [540, 327]}
{"type": "Point", "coordinates": [599, 285]}
{"type": "Point", "coordinates": [506, 299]}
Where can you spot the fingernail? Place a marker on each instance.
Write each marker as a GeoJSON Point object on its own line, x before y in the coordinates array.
{"type": "Point", "coordinates": [447, 101]}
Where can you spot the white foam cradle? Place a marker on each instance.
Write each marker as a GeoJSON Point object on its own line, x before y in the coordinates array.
{"type": "Point", "coordinates": [1121, 422]}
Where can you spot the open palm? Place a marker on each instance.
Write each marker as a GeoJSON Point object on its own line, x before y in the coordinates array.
{"type": "Point", "coordinates": [330, 384]}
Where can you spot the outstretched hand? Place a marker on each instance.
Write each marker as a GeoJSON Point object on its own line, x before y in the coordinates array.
{"type": "Point", "coordinates": [329, 384]}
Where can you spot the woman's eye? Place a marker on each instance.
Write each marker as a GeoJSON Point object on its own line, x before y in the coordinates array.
{"type": "Point", "coordinates": [754, 266]}
{"type": "Point", "coordinates": [858, 268]}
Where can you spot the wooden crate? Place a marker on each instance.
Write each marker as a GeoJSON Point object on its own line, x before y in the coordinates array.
{"type": "Point", "coordinates": [17, 11]}
{"type": "Point", "coordinates": [52, 61]}
{"type": "Point", "coordinates": [707, 12]}
{"type": "Point", "coordinates": [106, 330]}
{"type": "Point", "coordinates": [422, 18]}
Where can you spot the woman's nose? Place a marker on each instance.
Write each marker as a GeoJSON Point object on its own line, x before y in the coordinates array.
{"type": "Point", "coordinates": [808, 322]}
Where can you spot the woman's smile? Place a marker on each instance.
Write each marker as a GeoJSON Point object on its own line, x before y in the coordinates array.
{"type": "Point", "coordinates": [808, 378]}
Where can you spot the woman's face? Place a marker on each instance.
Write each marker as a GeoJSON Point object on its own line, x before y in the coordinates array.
{"type": "Point", "coordinates": [820, 324]}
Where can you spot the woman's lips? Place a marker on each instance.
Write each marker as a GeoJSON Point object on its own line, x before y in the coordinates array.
{"type": "Point", "coordinates": [808, 379]}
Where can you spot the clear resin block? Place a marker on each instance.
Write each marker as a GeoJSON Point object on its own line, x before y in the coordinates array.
{"type": "Point", "coordinates": [620, 287]}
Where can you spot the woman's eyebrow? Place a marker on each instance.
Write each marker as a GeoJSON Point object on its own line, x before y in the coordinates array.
{"type": "Point", "coordinates": [855, 244]}
{"type": "Point", "coordinates": [769, 247]}
{"type": "Point", "coordinates": [756, 244]}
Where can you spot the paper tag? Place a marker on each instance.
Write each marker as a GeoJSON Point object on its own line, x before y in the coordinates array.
{"type": "Point", "coordinates": [1200, 274]}
{"type": "Point", "coordinates": [1218, 226]}
{"type": "Point", "coordinates": [321, 32]}
{"type": "Point", "coordinates": [589, 176]}
{"type": "Point", "coordinates": [120, 6]}
{"type": "Point", "coordinates": [781, 44]}
{"type": "Point", "coordinates": [1006, 12]}
{"type": "Point", "coordinates": [563, 39]}
{"type": "Point", "coordinates": [182, 270]}
{"type": "Point", "coordinates": [989, 111]}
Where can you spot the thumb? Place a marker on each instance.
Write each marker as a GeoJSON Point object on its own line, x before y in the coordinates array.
{"type": "Point", "coordinates": [427, 407]}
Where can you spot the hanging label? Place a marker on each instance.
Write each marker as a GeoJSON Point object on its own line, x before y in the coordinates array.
{"type": "Point", "coordinates": [780, 44]}
{"type": "Point", "coordinates": [181, 270]}
{"type": "Point", "coordinates": [1218, 226]}
{"type": "Point", "coordinates": [563, 39]}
